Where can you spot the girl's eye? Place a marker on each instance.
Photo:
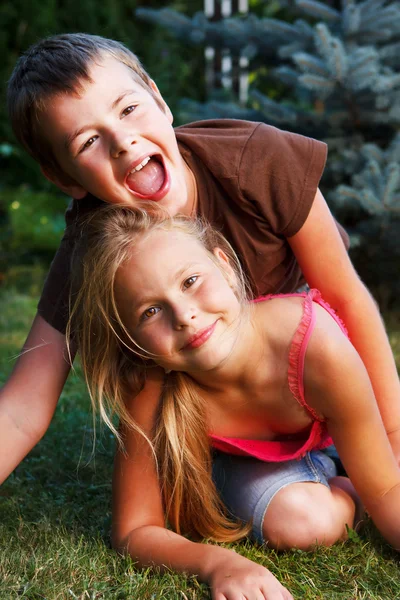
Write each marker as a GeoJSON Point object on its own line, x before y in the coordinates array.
{"type": "Point", "coordinates": [89, 142]}
{"type": "Point", "coordinates": [150, 312]}
{"type": "Point", "coordinates": [190, 281]}
{"type": "Point", "coordinates": [128, 110]}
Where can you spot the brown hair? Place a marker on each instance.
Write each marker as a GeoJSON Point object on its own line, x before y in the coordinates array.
{"type": "Point", "coordinates": [112, 364]}
{"type": "Point", "coordinates": [58, 65]}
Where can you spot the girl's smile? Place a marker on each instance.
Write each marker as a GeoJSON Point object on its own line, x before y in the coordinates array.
{"type": "Point", "coordinates": [200, 338]}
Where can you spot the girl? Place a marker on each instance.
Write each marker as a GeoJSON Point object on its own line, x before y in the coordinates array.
{"type": "Point", "coordinates": [266, 384]}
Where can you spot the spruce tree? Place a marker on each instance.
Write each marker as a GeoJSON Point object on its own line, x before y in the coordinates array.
{"type": "Point", "coordinates": [331, 73]}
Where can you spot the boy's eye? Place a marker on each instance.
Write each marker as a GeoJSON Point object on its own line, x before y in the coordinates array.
{"type": "Point", "coordinates": [89, 142]}
{"type": "Point", "coordinates": [190, 281]}
{"type": "Point", "coordinates": [128, 110]}
{"type": "Point", "coordinates": [150, 312]}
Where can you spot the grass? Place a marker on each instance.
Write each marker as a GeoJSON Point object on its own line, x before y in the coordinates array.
{"type": "Point", "coordinates": [55, 517]}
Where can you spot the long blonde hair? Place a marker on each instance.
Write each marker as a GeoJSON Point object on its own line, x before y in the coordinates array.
{"type": "Point", "coordinates": [113, 366]}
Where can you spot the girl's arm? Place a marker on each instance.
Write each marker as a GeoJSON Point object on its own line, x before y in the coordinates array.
{"type": "Point", "coordinates": [139, 521]}
{"type": "Point", "coordinates": [326, 266]}
{"type": "Point", "coordinates": [338, 387]}
{"type": "Point", "coordinates": [29, 398]}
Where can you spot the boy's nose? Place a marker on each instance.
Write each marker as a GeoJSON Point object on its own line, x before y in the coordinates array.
{"type": "Point", "coordinates": [120, 143]}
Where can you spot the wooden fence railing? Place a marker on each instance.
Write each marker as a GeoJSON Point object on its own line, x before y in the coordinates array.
{"type": "Point", "coordinates": [223, 70]}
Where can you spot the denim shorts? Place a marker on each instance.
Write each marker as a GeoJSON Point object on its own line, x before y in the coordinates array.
{"type": "Point", "coordinates": [247, 485]}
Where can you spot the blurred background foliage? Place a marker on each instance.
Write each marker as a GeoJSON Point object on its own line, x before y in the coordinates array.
{"type": "Point", "coordinates": [328, 69]}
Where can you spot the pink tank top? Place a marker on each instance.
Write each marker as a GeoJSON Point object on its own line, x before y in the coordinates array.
{"type": "Point", "coordinates": [318, 438]}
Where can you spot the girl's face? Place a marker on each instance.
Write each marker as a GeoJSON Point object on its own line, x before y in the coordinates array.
{"type": "Point", "coordinates": [177, 303]}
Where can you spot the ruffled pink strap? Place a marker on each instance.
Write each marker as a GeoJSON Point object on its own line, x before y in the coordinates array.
{"type": "Point", "coordinates": [318, 437]}
{"type": "Point", "coordinates": [318, 298]}
{"type": "Point", "coordinates": [297, 353]}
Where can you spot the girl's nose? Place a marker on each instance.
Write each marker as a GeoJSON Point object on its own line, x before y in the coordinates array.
{"type": "Point", "coordinates": [183, 316]}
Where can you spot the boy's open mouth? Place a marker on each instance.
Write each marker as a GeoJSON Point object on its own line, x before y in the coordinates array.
{"type": "Point", "coordinates": [148, 178]}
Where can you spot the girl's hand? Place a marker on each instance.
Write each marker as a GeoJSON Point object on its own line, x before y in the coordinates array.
{"type": "Point", "coordinates": [237, 578]}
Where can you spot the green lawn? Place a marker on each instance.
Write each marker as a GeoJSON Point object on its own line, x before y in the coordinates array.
{"type": "Point", "coordinates": [55, 516]}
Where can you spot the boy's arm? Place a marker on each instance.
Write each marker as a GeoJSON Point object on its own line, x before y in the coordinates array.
{"type": "Point", "coordinates": [29, 397]}
{"type": "Point", "coordinates": [337, 386]}
{"type": "Point", "coordinates": [326, 266]}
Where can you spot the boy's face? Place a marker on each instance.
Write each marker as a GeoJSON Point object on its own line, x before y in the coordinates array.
{"type": "Point", "coordinates": [116, 142]}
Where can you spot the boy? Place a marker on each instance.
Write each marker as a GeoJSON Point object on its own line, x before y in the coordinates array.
{"type": "Point", "coordinates": [86, 110]}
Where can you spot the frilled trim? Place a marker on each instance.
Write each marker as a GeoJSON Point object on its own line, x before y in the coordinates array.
{"type": "Point", "coordinates": [297, 353]}
{"type": "Point", "coordinates": [318, 298]}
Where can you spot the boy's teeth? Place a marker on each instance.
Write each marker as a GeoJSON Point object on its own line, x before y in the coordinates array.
{"type": "Point", "coordinates": [142, 164]}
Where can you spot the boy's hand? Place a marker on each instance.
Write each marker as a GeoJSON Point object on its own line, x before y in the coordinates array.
{"type": "Point", "coordinates": [236, 578]}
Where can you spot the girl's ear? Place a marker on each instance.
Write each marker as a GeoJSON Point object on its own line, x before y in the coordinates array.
{"type": "Point", "coordinates": [68, 186]}
{"type": "Point", "coordinates": [226, 266]}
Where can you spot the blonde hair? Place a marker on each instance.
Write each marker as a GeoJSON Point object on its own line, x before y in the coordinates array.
{"type": "Point", "coordinates": [113, 364]}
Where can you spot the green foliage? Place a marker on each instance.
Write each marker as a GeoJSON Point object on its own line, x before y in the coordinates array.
{"type": "Point", "coordinates": [33, 224]}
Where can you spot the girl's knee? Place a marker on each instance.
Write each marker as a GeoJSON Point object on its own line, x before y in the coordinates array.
{"type": "Point", "coordinates": [303, 515]}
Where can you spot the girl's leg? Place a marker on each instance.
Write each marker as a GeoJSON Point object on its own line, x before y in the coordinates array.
{"type": "Point", "coordinates": [303, 515]}
{"type": "Point", "coordinates": [272, 495]}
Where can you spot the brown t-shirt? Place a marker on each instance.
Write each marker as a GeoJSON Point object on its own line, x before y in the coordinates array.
{"type": "Point", "coordinates": [256, 184]}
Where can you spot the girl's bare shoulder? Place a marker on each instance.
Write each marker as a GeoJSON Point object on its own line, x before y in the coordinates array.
{"type": "Point", "coordinates": [279, 317]}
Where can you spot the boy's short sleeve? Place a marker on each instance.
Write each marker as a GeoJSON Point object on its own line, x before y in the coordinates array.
{"type": "Point", "coordinates": [280, 172]}
{"type": "Point", "coordinates": [53, 304]}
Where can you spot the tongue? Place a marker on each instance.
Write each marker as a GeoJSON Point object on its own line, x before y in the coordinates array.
{"type": "Point", "coordinates": [148, 180]}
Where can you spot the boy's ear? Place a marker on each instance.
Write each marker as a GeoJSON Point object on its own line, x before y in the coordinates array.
{"type": "Point", "coordinates": [161, 102]}
{"type": "Point", "coordinates": [68, 186]}
{"type": "Point", "coordinates": [226, 266]}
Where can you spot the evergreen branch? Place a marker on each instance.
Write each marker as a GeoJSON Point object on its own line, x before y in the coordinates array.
{"type": "Point", "coordinates": [351, 19]}
{"type": "Point", "coordinates": [290, 49]}
{"type": "Point", "coordinates": [369, 6]}
{"type": "Point", "coordinates": [391, 53]}
{"type": "Point", "coordinates": [374, 37]}
{"type": "Point", "coordinates": [387, 83]}
{"type": "Point", "coordinates": [278, 28]}
{"type": "Point", "coordinates": [309, 63]}
{"type": "Point", "coordinates": [273, 110]}
{"type": "Point", "coordinates": [165, 17]}
{"type": "Point", "coordinates": [345, 194]}
{"type": "Point", "coordinates": [393, 152]}
{"type": "Point", "coordinates": [318, 10]}
{"type": "Point", "coordinates": [372, 177]}
{"type": "Point", "coordinates": [315, 83]}
{"type": "Point", "coordinates": [363, 77]}
{"type": "Point", "coordinates": [372, 152]}
{"type": "Point", "coordinates": [286, 75]}
{"type": "Point", "coordinates": [339, 60]}
{"type": "Point", "coordinates": [370, 203]}
{"type": "Point", "coordinates": [392, 185]}
{"type": "Point", "coordinates": [304, 29]}
{"type": "Point", "coordinates": [360, 57]}
{"type": "Point", "coordinates": [385, 17]}
{"type": "Point", "coordinates": [323, 41]}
